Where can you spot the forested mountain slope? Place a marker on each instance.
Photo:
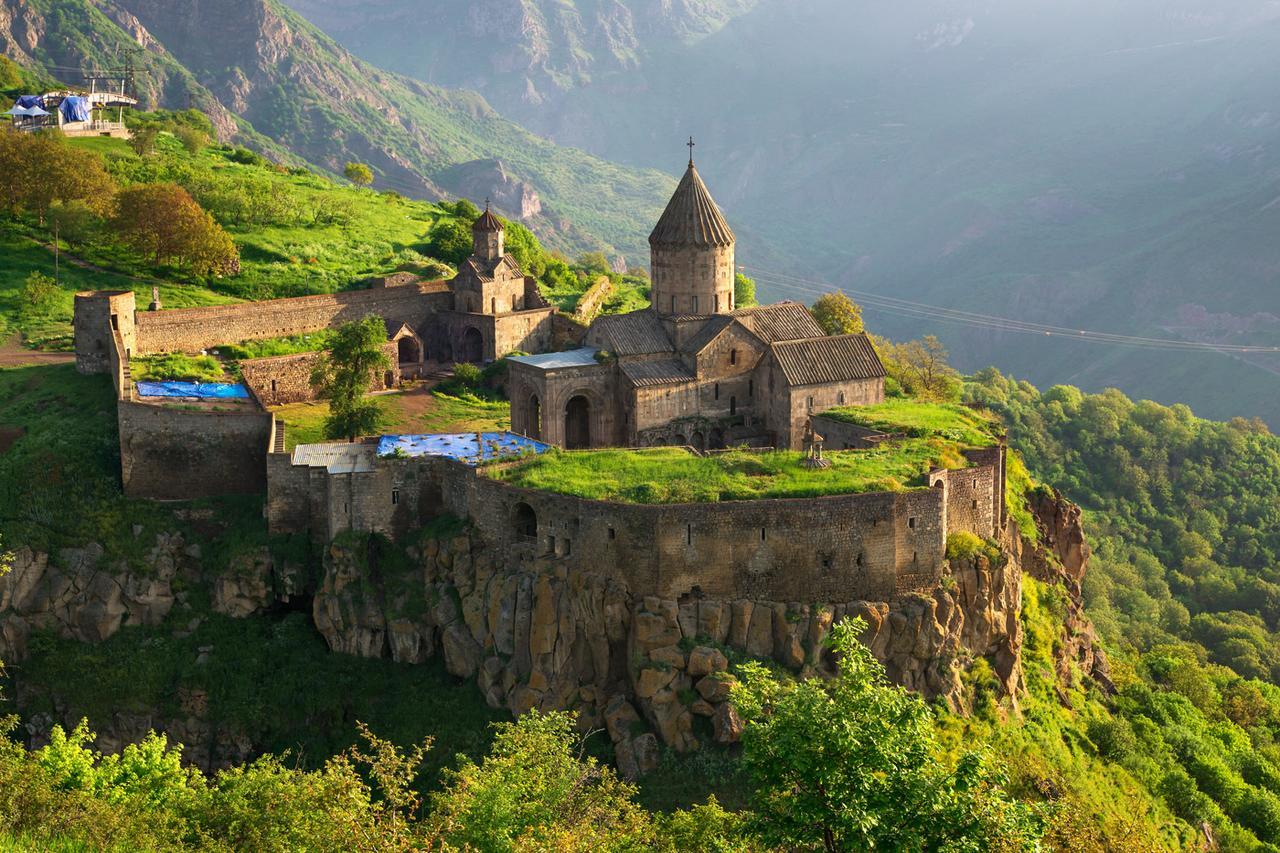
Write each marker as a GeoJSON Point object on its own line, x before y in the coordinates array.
{"type": "Point", "coordinates": [259, 67]}
{"type": "Point", "coordinates": [1098, 166]}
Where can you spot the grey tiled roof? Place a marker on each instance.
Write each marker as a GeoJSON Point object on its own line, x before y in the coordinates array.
{"type": "Point", "coordinates": [583, 357]}
{"type": "Point", "coordinates": [781, 321]}
{"type": "Point", "coordinates": [816, 361]}
{"type": "Point", "coordinates": [637, 333]}
{"type": "Point", "coordinates": [664, 372]}
{"type": "Point", "coordinates": [708, 333]}
{"type": "Point", "coordinates": [692, 217]}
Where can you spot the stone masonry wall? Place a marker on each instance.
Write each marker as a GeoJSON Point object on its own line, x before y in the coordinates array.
{"type": "Point", "coordinates": [191, 329]}
{"type": "Point", "coordinates": [171, 453]}
{"type": "Point", "coordinates": [282, 379]}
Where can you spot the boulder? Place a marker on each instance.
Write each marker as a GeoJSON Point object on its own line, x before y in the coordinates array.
{"type": "Point", "coordinates": [705, 660]}
{"type": "Point", "coordinates": [715, 688]}
{"type": "Point", "coordinates": [727, 724]}
{"type": "Point", "coordinates": [461, 652]}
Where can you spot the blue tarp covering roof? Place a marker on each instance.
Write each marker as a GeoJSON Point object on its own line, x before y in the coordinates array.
{"type": "Point", "coordinates": [466, 447]}
{"type": "Point", "coordinates": [30, 100]}
{"type": "Point", "coordinates": [75, 108]}
{"type": "Point", "coordinates": [201, 390]}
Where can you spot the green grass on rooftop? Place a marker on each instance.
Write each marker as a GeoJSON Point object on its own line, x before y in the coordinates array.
{"type": "Point", "coordinates": [920, 419]}
{"type": "Point", "coordinates": [672, 475]}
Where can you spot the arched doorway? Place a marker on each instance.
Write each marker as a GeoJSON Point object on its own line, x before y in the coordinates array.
{"type": "Point", "coordinates": [408, 350]}
{"type": "Point", "coordinates": [681, 441]}
{"type": "Point", "coordinates": [698, 442]}
{"type": "Point", "coordinates": [577, 423]}
{"type": "Point", "coordinates": [525, 521]}
{"type": "Point", "coordinates": [472, 346]}
{"type": "Point", "coordinates": [717, 439]}
{"type": "Point", "coordinates": [534, 426]}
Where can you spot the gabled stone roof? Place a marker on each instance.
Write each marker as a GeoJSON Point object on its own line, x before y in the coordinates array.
{"type": "Point", "coordinates": [817, 361]}
{"type": "Point", "coordinates": [637, 333]}
{"type": "Point", "coordinates": [663, 372]}
{"type": "Point", "coordinates": [781, 321]}
{"type": "Point", "coordinates": [692, 217]}
{"type": "Point", "coordinates": [478, 270]}
{"type": "Point", "coordinates": [708, 333]}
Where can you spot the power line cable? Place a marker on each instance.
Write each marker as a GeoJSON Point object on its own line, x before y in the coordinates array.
{"type": "Point", "coordinates": [920, 310]}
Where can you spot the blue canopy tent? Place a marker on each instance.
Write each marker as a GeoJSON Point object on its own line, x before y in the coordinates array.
{"type": "Point", "coordinates": [30, 101]}
{"type": "Point", "coordinates": [74, 108]}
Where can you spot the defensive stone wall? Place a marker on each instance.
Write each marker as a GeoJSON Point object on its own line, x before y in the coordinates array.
{"type": "Point", "coordinates": [590, 303]}
{"type": "Point", "coordinates": [99, 317]}
{"type": "Point", "coordinates": [172, 453]}
{"type": "Point", "coordinates": [191, 329]}
{"type": "Point", "coordinates": [841, 435]}
{"type": "Point", "coordinates": [281, 379]}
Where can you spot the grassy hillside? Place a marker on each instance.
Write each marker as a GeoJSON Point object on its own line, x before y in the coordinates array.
{"type": "Point", "coordinates": [297, 233]}
{"type": "Point", "coordinates": [275, 82]}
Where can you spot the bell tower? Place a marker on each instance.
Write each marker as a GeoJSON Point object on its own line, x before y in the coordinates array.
{"type": "Point", "coordinates": [488, 237]}
{"type": "Point", "coordinates": [691, 252]}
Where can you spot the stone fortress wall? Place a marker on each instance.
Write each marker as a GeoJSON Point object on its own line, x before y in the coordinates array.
{"type": "Point", "coordinates": [845, 547]}
{"type": "Point", "coordinates": [195, 329]}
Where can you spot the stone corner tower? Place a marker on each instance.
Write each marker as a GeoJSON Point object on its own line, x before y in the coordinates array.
{"type": "Point", "coordinates": [691, 252]}
{"type": "Point", "coordinates": [488, 237]}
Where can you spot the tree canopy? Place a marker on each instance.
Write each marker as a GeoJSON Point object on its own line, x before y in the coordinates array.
{"type": "Point", "coordinates": [344, 374]}
{"type": "Point", "coordinates": [358, 173]}
{"type": "Point", "coordinates": [837, 314]}
{"type": "Point", "coordinates": [166, 223]}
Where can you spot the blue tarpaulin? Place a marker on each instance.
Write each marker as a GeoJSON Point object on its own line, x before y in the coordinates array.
{"type": "Point", "coordinates": [30, 101]}
{"type": "Point", "coordinates": [75, 108]}
{"type": "Point", "coordinates": [202, 390]}
{"type": "Point", "coordinates": [466, 447]}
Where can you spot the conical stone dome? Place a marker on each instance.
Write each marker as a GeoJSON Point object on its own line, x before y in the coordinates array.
{"type": "Point", "coordinates": [692, 217]}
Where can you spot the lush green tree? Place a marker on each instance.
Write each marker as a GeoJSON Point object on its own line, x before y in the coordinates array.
{"type": "Point", "coordinates": [143, 140]}
{"type": "Point", "coordinates": [464, 210]}
{"type": "Point", "coordinates": [837, 314]}
{"type": "Point", "coordinates": [165, 223]}
{"type": "Point", "coordinates": [193, 139]}
{"type": "Point", "coordinates": [38, 170]}
{"type": "Point", "coordinates": [853, 763]}
{"type": "Point", "coordinates": [534, 792]}
{"type": "Point", "coordinates": [345, 372]}
{"type": "Point", "coordinates": [450, 241]}
{"type": "Point", "coordinates": [358, 173]}
{"type": "Point", "coordinates": [594, 265]}
{"type": "Point", "coordinates": [10, 73]}
{"type": "Point", "coordinates": [39, 295]}
{"type": "Point", "coordinates": [744, 291]}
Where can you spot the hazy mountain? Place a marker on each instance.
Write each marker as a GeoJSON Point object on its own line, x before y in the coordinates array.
{"type": "Point", "coordinates": [1094, 165]}
{"type": "Point", "coordinates": [257, 66]}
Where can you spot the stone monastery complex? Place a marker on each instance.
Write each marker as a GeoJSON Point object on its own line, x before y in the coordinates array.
{"type": "Point", "coordinates": [693, 370]}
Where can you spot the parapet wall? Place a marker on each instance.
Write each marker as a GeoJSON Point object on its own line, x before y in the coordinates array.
{"type": "Point", "coordinates": [191, 329]}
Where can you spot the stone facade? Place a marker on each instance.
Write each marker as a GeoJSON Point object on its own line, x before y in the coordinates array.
{"type": "Point", "coordinates": [282, 379]}
{"type": "Point", "coordinates": [869, 546]}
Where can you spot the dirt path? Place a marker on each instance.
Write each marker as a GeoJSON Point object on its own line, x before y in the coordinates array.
{"type": "Point", "coordinates": [14, 354]}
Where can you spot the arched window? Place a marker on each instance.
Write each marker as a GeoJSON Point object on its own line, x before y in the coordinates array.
{"type": "Point", "coordinates": [716, 390]}
{"type": "Point", "coordinates": [733, 405]}
{"type": "Point", "coordinates": [733, 356]}
{"type": "Point", "coordinates": [525, 521]}
{"type": "Point", "coordinates": [840, 398]}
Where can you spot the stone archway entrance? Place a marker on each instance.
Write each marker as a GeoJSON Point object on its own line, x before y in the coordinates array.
{"type": "Point", "coordinates": [472, 346]}
{"type": "Point", "coordinates": [408, 350]}
{"type": "Point", "coordinates": [698, 442]}
{"type": "Point", "coordinates": [717, 439]}
{"type": "Point", "coordinates": [577, 423]}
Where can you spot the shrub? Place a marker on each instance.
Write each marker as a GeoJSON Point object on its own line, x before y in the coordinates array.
{"type": "Point", "coordinates": [468, 375]}
{"type": "Point", "coordinates": [963, 546]}
{"type": "Point", "coordinates": [39, 295]}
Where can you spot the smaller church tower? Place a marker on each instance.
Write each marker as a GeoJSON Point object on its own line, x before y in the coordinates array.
{"type": "Point", "coordinates": [489, 238]}
{"type": "Point", "coordinates": [691, 252]}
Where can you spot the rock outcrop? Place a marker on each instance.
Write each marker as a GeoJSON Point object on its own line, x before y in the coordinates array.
{"type": "Point", "coordinates": [650, 670]}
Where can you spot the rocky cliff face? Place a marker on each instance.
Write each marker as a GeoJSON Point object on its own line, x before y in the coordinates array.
{"type": "Point", "coordinates": [652, 671]}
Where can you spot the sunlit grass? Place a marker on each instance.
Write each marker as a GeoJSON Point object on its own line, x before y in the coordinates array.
{"type": "Point", "coordinates": [919, 419]}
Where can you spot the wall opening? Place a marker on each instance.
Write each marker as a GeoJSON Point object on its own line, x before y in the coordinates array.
{"type": "Point", "coordinates": [566, 547]}
{"type": "Point", "coordinates": [408, 350]}
{"type": "Point", "coordinates": [762, 534]}
{"type": "Point", "coordinates": [751, 388]}
{"type": "Point", "coordinates": [859, 558]}
{"type": "Point", "coordinates": [733, 405]}
{"type": "Point", "coordinates": [911, 522]}
{"type": "Point", "coordinates": [472, 345]}
{"type": "Point", "coordinates": [395, 497]}
{"type": "Point", "coordinates": [613, 534]}
{"type": "Point", "coordinates": [577, 423]}
{"type": "Point", "coordinates": [733, 356]}
{"type": "Point", "coordinates": [698, 441]}
{"type": "Point", "coordinates": [525, 521]}
{"type": "Point", "coordinates": [534, 426]}
{"type": "Point", "coordinates": [717, 391]}
{"type": "Point", "coordinates": [717, 439]}
{"type": "Point", "coordinates": [688, 535]}
{"type": "Point", "coordinates": [840, 398]}
{"type": "Point", "coordinates": [681, 441]}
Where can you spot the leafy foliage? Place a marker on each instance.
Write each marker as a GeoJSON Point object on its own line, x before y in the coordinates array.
{"type": "Point", "coordinates": [358, 173]}
{"type": "Point", "coordinates": [165, 223]}
{"type": "Point", "coordinates": [851, 764]}
{"type": "Point", "coordinates": [837, 314]}
{"type": "Point", "coordinates": [344, 374]}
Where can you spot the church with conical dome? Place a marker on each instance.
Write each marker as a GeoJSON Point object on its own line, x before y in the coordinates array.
{"type": "Point", "coordinates": [693, 369]}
